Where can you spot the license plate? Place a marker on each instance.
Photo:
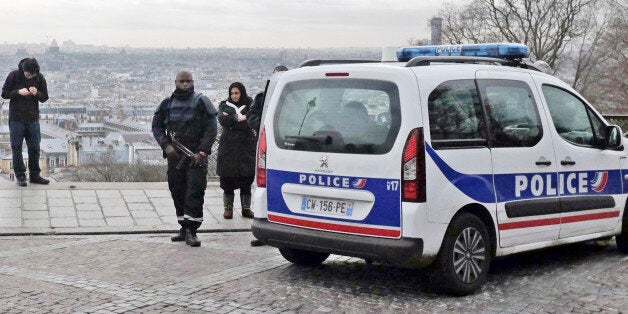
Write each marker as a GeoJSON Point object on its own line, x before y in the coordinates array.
{"type": "Point", "coordinates": [326, 206]}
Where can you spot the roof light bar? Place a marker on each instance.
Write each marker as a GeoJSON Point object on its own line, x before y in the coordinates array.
{"type": "Point", "coordinates": [495, 50]}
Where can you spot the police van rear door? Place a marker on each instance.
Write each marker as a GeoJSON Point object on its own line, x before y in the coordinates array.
{"type": "Point", "coordinates": [333, 162]}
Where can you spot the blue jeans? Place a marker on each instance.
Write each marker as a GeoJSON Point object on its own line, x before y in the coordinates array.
{"type": "Point", "coordinates": [30, 132]}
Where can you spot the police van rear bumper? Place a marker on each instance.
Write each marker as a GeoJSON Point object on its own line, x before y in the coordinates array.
{"type": "Point", "coordinates": [404, 252]}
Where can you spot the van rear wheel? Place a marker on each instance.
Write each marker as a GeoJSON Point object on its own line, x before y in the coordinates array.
{"type": "Point", "coordinates": [302, 257]}
{"type": "Point", "coordinates": [462, 264]}
{"type": "Point", "coordinates": [622, 238]}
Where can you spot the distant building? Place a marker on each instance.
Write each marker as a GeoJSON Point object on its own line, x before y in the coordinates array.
{"type": "Point", "coordinates": [141, 146]}
{"type": "Point", "coordinates": [96, 150]}
{"type": "Point", "coordinates": [54, 48]}
{"type": "Point", "coordinates": [53, 58]}
{"type": "Point", "coordinates": [56, 152]}
{"type": "Point", "coordinates": [6, 164]}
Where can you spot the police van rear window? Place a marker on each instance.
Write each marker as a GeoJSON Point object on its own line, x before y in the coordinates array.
{"type": "Point", "coordinates": [352, 116]}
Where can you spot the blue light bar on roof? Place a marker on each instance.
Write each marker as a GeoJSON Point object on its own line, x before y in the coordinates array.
{"type": "Point", "coordinates": [493, 50]}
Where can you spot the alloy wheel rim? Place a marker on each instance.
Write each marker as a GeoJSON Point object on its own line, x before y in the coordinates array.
{"type": "Point", "coordinates": [468, 255]}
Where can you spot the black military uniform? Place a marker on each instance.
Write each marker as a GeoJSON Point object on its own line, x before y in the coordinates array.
{"type": "Point", "coordinates": [191, 118]}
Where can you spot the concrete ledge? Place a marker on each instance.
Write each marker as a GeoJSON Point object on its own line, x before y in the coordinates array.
{"type": "Point", "coordinates": [95, 186]}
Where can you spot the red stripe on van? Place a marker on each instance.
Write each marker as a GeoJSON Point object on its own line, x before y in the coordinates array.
{"type": "Point", "coordinates": [590, 217]}
{"type": "Point", "coordinates": [335, 227]}
{"type": "Point", "coordinates": [556, 221]}
{"type": "Point", "coordinates": [529, 223]}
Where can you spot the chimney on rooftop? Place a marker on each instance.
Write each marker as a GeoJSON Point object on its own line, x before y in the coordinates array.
{"type": "Point", "coordinates": [436, 24]}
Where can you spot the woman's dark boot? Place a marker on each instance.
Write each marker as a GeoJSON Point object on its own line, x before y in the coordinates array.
{"type": "Point", "coordinates": [227, 201]}
{"type": "Point", "coordinates": [245, 200]}
{"type": "Point", "coordinates": [191, 239]}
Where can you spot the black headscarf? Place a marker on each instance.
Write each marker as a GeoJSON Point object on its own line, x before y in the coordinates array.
{"type": "Point", "coordinates": [244, 98]}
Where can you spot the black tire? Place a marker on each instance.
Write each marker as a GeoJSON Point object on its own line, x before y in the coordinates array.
{"type": "Point", "coordinates": [622, 238]}
{"type": "Point", "coordinates": [461, 267]}
{"type": "Point", "coordinates": [302, 257]}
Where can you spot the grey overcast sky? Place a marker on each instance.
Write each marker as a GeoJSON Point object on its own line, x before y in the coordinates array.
{"type": "Point", "coordinates": [218, 23]}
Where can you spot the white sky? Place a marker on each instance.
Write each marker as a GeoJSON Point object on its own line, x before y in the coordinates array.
{"type": "Point", "coordinates": [216, 23]}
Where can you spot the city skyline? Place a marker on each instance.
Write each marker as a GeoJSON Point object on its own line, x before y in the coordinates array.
{"type": "Point", "coordinates": [207, 24]}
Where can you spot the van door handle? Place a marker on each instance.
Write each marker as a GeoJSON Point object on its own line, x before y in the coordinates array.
{"type": "Point", "coordinates": [567, 162]}
{"type": "Point", "coordinates": [543, 162]}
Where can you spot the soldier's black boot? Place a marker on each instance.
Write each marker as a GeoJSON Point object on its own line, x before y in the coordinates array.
{"type": "Point", "coordinates": [191, 239]}
{"type": "Point", "coordinates": [181, 236]}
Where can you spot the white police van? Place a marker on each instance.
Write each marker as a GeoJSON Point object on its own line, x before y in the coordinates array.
{"type": "Point", "coordinates": [444, 158]}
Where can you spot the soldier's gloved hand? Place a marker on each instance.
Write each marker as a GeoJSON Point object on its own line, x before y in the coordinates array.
{"type": "Point", "coordinates": [170, 151]}
{"type": "Point", "coordinates": [199, 159]}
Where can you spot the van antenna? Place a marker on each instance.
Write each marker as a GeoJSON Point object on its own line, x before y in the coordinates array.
{"type": "Point", "coordinates": [310, 105]}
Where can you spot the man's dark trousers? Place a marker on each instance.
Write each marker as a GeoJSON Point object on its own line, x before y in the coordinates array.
{"type": "Point", "coordinates": [31, 132]}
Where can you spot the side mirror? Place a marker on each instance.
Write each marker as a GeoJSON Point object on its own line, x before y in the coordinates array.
{"type": "Point", "coordinates": [613, 137]}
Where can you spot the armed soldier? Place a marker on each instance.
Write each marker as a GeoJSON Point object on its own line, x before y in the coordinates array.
{"type": "Point", "coordinates": [191, 117]}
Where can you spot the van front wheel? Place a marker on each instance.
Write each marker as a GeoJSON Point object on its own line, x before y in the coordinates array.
{"type": "Point", "coordinates": [462, 264]}
{"type": "Point", "coordinates": [302, 257]}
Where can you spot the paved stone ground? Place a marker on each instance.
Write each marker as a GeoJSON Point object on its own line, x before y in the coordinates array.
{"type": "Point", "coordinates": [94, 207]}
{"type": "Point", "coordinates": [146, 273]}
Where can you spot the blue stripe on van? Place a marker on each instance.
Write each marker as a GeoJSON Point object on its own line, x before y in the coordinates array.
{"type": "Point", "coordinates": [521, 186]}
{"type": "Point", "coordinates": [476, 186]}
{"type": "Point", "coordinates": [386, 210]}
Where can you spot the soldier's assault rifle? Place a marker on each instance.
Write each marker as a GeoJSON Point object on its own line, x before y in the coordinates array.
{"type": "Point", "coordinates": [189, 155]}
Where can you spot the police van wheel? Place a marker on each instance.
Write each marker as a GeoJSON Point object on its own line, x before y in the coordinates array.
{"type": "Point", "coordinates": [622, 238]}
{"type": "Point", "coordinates": [302, 257]}
{"type": "Point", "coordinates": [462, 264]}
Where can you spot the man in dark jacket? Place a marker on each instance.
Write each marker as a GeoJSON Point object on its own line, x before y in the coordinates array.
{"type": "Point", "coordinates": [254, 119]}
{"type": "Point", "coordinates": [26, 88]}
{"type": "Point", "coordinates": [189, 118]}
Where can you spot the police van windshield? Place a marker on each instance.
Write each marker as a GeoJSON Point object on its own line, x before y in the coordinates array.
{"type": "Point", "coordinates": [341, 115]}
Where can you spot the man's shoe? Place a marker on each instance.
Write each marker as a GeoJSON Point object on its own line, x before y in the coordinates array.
{"type": "Point", "coordinates": [257, 242]}
{"type": "Point", "coordinates": [228, 214]}
{"type": "Point", "coordinates": [39, 180]}
{"type": "Point", "coordinates": [21, 181]}
{"type": "Point", "coordinates": [179, 237]}
{"type": "Point", "coordinates": [191, 239]}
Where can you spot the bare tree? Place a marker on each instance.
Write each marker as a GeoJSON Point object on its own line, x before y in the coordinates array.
{"type": "Point", "coordinates": [545, 26]}
{"type": "Point", "coordinates": [585, 41]}
{"type": "Point", "coordinates": [609, 85]}
{"type": "Point", "coordinates": [588, 55]}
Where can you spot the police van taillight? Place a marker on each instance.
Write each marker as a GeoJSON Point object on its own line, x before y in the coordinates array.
{"type": "Point", "coordinates": [261, 160]}
{"type": "Point", "coordinates": [413, 168]}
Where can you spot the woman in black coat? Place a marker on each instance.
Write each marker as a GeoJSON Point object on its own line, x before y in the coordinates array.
{"type": "Point", "coordinates": [236, 150]}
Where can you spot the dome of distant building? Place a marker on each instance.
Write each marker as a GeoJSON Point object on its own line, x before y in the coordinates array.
{"type": "Point", "coordinates": [54, 47]}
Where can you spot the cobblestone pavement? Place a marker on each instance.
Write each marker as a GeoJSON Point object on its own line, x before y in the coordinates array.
{"type": "Point", "coordinates": [146, 273]}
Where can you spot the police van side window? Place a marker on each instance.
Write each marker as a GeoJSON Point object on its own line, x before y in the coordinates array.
{"type": "Point", "coordinates": [456, 116]}
{"type": "Point", "coordinates": [513, 116]}
{"type": "Point", "coordinates": [573, 120]}
{"type": "Point", "coordinates": [340, 115]}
